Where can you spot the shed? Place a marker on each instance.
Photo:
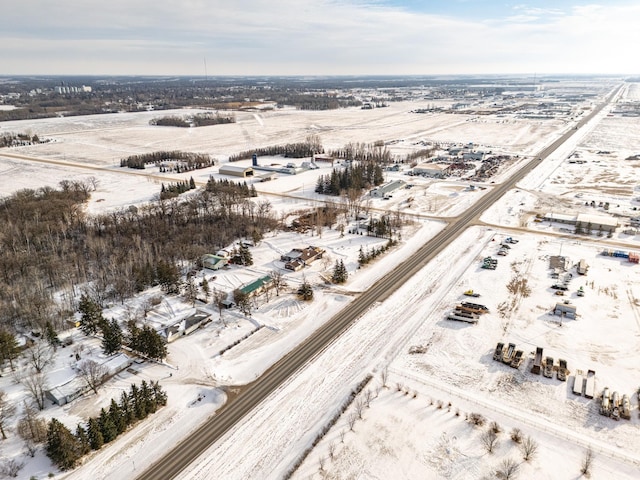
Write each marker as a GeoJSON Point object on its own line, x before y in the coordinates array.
{"type": "Point", "coordinates": [236, 171]}
{"type": "Point", "coordinates": [565, 310]}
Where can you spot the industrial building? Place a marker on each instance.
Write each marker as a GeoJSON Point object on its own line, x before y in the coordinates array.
{"type": "Point", "coordinates": [384, 190]}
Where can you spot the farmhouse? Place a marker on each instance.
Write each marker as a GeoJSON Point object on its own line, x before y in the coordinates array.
{"type": "Point", "coordinates": [236, 171]}
{"type": "Point", "coordinates": [214, 262]}
{"type": "Point", "coordinates": [384, 190]}
{"type": "Point", "coordinates": [185, 326]}
{"type": "Point", "coordinates": [299, 258]}
{"type": "Point", "coordinates": [431, 170]}
{"type": "Point", "coordinates": [76, 386]}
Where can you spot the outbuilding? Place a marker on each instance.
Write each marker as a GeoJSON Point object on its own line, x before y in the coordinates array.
{"type": "Point", "coordinates": [384, 190]}
{"type": "Point", "coordinates": [435, 170]}
{"type": "Point", "coordinates": [565, 310]}
{"type": "Point", "coordinates": [236, 171]}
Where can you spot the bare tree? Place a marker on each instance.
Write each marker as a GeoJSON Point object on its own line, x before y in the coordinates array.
{"type": "Point", "coordinates": [368, 396]}
{"type": "Point", "coordinates": [495, 427]}
{"type": "Point", "coordinates": [93, 373]}
{"type": "Point", "coordinates": [508, 469]}
{"type": "Point", "coordinates": [384, 376]}
{"type": "Point", "coordinates": [32, 428]}
{"type": "Point", "coordinates": [359, 406]}
{"type": "Point", "coordinates": [321, 461]}
{"type": "Point", "coordinates": [342, 434]}
{"type": "Point", "coordinates": [587, 462]}
{"type": "Point", "coordinates": [11, 468]}
{"type": "Point", "coordinates": [279, 281]}
{"type": "Point", "coordinates": [529, 447]}
{"type": "Point", "coordinates": [516, 435]}
{"type": "Point", "coordinates": [35, 383]}
{"type": "Point", "coordinates": [332, 450]}
{"type": "Point", "coordinates": [218, 300]}
{"type": "Point", "coordinates": [351, 420]}
{"type": "Point", "coordinates": [39, 356]}
{"type": "Point", "coordinates": [489, 440]}
{"type": "Point", "coordinates": [7, 409]}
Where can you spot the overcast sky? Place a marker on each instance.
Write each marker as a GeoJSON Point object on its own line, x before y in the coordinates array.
{"type": "Point", "coordinates": [319, 37]}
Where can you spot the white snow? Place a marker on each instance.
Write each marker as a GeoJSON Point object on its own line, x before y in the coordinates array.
{"type": "Point", "coordinates": [400, 436]}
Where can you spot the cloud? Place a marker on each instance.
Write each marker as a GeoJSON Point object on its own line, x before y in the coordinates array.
{"type": "Point", "coordinates": [310, 37]}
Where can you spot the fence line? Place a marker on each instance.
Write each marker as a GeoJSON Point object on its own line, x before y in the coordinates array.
{"type": "Point", "coordinates": [539, 424]}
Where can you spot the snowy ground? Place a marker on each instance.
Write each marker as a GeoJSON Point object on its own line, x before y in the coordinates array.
{"type": "Point", "coordinates": [400, 436]}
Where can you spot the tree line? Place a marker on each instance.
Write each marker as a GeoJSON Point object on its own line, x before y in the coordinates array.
{"type": "Point", "coordinates": [172, 190]}
{"type": "Point", "coordinates": [48, 244]}
{"type": "Point", "coordinates": [66, 448]}
{"type": "Point", "coordinates": [184, 161]}
{"type": "Point", "coordinates": [197, 120]}
{"type": "Point", "coordinates": [311, 146]}
{"type": "Point", "coordinates": [356, 176]}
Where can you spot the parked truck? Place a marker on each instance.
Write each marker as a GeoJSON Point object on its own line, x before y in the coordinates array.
{"type": "Point", "coordinates": [517, 360]}
{"type": "Point", "coordinates": [563, 371]}
{"type": "Point", "coordinates": [578, 382]}
{"type": "Point", "coordinates": [497, 354]}
{"type": "Point", "coordinates": [537, 361]}
{"type": "Point", "coordinates": [625, 407]}
{"type": "Point", "coordinates": [605, 402]}
{"type": "Point", "coordinates": [590, 384]}
{"type": "Point", "coordinates": [548, 367]}
{"type": "Point", "coordinates": [509, 353]}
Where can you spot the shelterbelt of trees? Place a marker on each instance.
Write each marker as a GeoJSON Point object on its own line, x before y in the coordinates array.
{"type": "Point", "coordinates": [49, 245]}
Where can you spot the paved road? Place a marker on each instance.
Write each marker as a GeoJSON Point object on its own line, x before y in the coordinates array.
{"type": "Point", "coordinates": [252, 394]}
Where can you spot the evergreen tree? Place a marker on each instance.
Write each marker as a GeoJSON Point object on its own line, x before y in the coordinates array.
{"type": "Point", "coordinates": [62, 446]}
{"type": "Point", "coordinates": [245, 255]}
{"type": "Point", "coordinates": [95, 435]}
{"type": "Point", "coordinates": [159, 394]}
{"type": "Point", "coordinates": [339, 272]}
{"type": "Point", "coordinates": [362, 258]}
{"type": "Point", "coordinates": [168, 277]}
{"type": "Point", "coordinates": [115, 413]}
{"type": "Point", "coordinates": [126, 409]}
{"type": "Point", "coordinates": [305, 292]}
{"type": "Point", "coordinates": [107, 427]}
{"type": "Point", "coordinates": [148, 397]}
{"type": "Point", "coordinates": [192, 184]}
{"type": "Point", "coordinates": [111, 336]}
{"type": "Point", "coordinates": [139, 406]}
{"type": "Point", "coordinates": [84, 445]}
{"type": "Point", "coordinates": [91, 315]}
{"type": "Point", "coordinates": [9, 349]}
{"type": "Point", "coordinates": [51, 335]}
{"type": "Point", "coordinates": [147, 341]}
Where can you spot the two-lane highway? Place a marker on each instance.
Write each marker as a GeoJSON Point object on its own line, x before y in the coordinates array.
{"type": "Point", "coordinates": [251, 395]}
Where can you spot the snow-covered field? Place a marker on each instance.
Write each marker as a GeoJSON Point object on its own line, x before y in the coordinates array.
{"type": "Point", "coordinates": [403, 434]}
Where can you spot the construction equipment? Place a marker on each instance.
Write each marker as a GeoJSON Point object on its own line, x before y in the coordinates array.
{"type": "Point", "coordinates": [509, 353]}
{"type": "Point", "coordinates": [605, 402]}
{"type": "Point", "coordinates": [471, 293]}
{"type": "Point", "coordinates": [590, 384]}
{"type": "Point", "coordinates": [625, 410]}
{"type": "Point", "coordinates": [562, 372]}
{"type": "Point", "coordinates": [548, 367]}
{"type": "Point", "coordinates": [578, 382]}
{"type": "Point", "coordinates": [517, 360]}
{"type": "Point", "coordinates": [463, 317]}
{"type": "Point", "coordinates": [475, 307]}
{"type": "Point", "coordinates": [497, 355]}
{"type": "Point", "coordinates": [615, 406]}
{"type": "Point", "coordinates": [537, 361]}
